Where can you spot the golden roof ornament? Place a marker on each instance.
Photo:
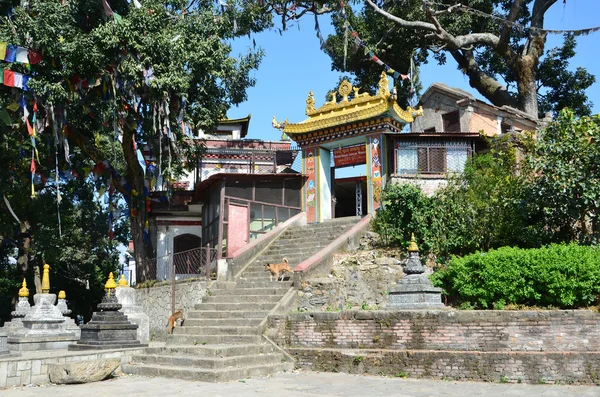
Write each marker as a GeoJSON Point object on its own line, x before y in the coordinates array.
{"type": "Point", "coordinates": [413, 247]}
{"type": "Point", "coordinates": [310, 103]}
{"type": "Point", "coordinates": [46, 279]}
{"type": "Point", "coordinates": [362, 106]}
{"type": "Point", "coordinates": [62, 295]}
{"type": "Point", "coordinates": [345, 89]}
{"type": "Point", "coordinates": [24, 292]}
{"type": "Point", "coordinates": [384, 85]}
{"type": "Point", "coordinates": [110, 284]}
{"type": "Point", "coordinates": [123, 281]}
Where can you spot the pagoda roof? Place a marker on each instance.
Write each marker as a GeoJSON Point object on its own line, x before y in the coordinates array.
{"type": "Point", "coordinates": [362, 106]}
{"type": "Point", "coordinates": [243, 122]}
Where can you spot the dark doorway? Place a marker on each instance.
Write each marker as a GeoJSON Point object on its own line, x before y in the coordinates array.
{"type": "Point", "coordinates": [346, 196]}
{"type": "Point", "coordinates": [186, 242]}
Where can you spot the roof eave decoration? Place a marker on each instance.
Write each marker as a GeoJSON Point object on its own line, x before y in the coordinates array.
{"type": "Point", "coordinates": [363, 106]}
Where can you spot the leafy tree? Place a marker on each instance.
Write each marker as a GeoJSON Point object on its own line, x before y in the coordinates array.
{"type": "Point", "coordinates": [497, 44]}
{"type": "Point", "coordinates": [78, 249]}
{"type": "Point", "coordinates": [115, 77]}
{"type": "Point", "coordinates": [564, 196]}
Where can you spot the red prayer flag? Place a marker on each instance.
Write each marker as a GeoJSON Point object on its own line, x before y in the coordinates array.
{"type": "Point", "coordinates": [34, 57]}
{"type": "Point", "coordinates": [9, 78]}
{"type": "Point", "coordinates": [29, 127]}
{"type": "Point", "coordinates": [33, 169]}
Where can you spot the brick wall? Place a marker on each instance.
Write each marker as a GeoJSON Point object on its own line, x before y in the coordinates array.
{"type": "Point", "coordinates": [528, 346]}
{"type": "Point", "coordinates": [442, 330]}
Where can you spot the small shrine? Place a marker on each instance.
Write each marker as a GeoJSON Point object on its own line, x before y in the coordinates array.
{"type": "Point", "coordinates": [109, 328]}
{"type": "Point", "coordinates": [353, 131]}
{"type": "Point", "coordinates": [415, 290]}
{"type": "Point", "coordinates": [44, 326]}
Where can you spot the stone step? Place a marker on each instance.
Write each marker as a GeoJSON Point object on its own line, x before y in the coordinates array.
{"type": "Point", "coordinates": [267, 277]}
{"type": "Point", "coordinates": [214, 322]}
{"type": "Point", "coordinates": [303, 241]}
{"type": "Point", "coordinates": [250, 291]}
{"type": "Point", "coordinates": [206, 375]}
{"type": "Point", "coordinates": [241, 299]}
{"type": "Point", "coordinates": [216, 330]}
{"type": "Point", "coordinates": [252, 306]}
{"type": "Point", "coordinates": [213, 350]}
{"type": "Point", "coordinates": [263, 284]}
{"type": "Point", "coordinates": [207, 362]}
{"type": "Point", "coordinates": [202, 340]}
{"type": "Point", "coordinates": [192, 314]}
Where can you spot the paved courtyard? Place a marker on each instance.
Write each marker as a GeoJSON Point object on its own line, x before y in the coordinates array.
{"type": "Point", "coordinates": [300, 384]}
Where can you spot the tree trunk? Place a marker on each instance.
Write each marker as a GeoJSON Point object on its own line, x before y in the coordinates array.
{"type": "Point", "coordinates": [145, 268]}
{"type": "Point", "coordinates": [527, 97]}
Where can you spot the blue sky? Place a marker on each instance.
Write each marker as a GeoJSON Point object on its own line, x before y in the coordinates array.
{"type": "Point", "coordinates": [294, 65]}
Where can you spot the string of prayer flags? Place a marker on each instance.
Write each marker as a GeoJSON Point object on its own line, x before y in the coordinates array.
{"type": "Point", "coordinates": [359, 43]}
{"type": "Point", "coordinates": [346, 25]}
{"type": "Point", "coordinates": [14, 79]}
{"type": "Point", "coordinates": [13, 53]}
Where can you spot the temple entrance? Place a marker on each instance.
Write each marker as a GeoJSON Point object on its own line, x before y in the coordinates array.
{"type": "Point", "coordinates": [342, 134]}
{"type": "Point", "coordinates": [350, 196]}
{"type": "Point", "coordinates": [349, 180]}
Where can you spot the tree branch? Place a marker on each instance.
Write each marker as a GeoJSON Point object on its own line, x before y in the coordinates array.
{"type": "Point", "coordinates": [404, 23]}
{"type": "Point", "coordinates": [495, 92]}
{"type": "Point", "coordinates": [512, 17]}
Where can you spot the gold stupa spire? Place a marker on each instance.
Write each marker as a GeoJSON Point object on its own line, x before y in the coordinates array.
{"type": "Point", "coordinates": [123, 281]}
{"type": "Point", "coordinates": [46, 279]}
{"type": "Point", "coordinates": [62, 295]}
{"type": "Point", "coordinates": [413, 247]}
{"type": "Point", "coordinates": [24, 292]}
{"type": "Point", "coordinates": [110, 284]}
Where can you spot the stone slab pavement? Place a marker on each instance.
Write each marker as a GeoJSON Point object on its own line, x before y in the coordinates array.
{"type": "Point", "coordinates": [300, 383]}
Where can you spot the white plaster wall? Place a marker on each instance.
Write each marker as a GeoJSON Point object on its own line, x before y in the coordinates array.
{"type": "Point", "coordinates": [427, 185]}
{"type": "Point", "coordinates": [164, 244]}
{"type": "Point", "coordinates": [324, 184]}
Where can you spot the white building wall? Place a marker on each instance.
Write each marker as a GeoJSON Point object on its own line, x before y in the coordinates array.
{"type": "Point", "coordinates": [164, 244]}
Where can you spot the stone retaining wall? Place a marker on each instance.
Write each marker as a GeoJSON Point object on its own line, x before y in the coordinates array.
{"type": "Point", "coordinates": [156, 302]}
{"type": "Point", "coordinates": [503, 346]}
{"type": "Point", "coordinates": [503, 367]}
{"type": "Point", "coordinates": [17, 371]}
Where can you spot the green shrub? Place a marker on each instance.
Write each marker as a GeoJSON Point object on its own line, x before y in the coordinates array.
{"type": "Point", "coordinates": [560, 275]}
{"type": "Point", "coordinates": [404, 211]}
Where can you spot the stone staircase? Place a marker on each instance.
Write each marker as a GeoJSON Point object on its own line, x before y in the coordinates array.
{"type": "Point", "coordinates": [221, 339]}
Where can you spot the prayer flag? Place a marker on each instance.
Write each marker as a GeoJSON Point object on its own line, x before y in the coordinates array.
{"type": "Point", "coordinates": [21, 55]}
{"type": "Point", "coordinates": [2, 50]}
{"type": "Point", "coordinates": [18, 80]}
{"type": "Point", "coordinates": [9, 78]}
{"type": "Point", "coordinates": [34, 57]}
{"type": "Point", "coordinates": [11, 53]}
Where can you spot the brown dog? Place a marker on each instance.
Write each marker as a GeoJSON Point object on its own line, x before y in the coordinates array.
{"type": "Point", "coordinates": [278, 268]}
{"type": "Point", "coordinates": [173, 320]}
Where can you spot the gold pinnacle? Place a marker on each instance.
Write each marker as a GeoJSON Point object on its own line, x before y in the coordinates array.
{"type": "Point", "coordinates": [110, 284]}
{"type": "Point", "coordinates": [24, 292]}
{"type": "Point", "coordinates": [46, 279]}
{"type": "Point", "coordinates": [413, 247]}
{"type": "Point", "coordinates": [123, 281]}
{"type": "Point", "coordinates": [62, 295]}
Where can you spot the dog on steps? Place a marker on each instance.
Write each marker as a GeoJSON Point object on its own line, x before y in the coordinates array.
{"type": "Point", "coordinates": [173, 320]}
{"type": "Point", "coordinates": [278, 268]}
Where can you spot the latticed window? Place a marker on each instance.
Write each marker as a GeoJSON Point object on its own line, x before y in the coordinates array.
{"type": "Point", "coordinates": [431, 157]}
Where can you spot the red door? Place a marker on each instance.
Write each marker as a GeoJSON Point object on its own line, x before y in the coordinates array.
{"type": "Point", "coordinates": [238, 228]}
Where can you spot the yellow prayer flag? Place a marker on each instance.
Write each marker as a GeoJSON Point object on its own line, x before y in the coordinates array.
{"type": "Point", "coordinates": [2, 50]}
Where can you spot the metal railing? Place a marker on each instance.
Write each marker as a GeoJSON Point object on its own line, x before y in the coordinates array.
{"type": "Point", "coordinates": [197, 262]}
